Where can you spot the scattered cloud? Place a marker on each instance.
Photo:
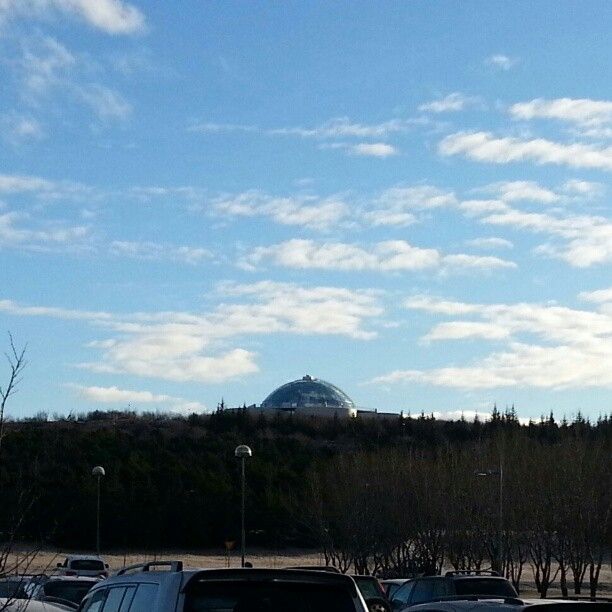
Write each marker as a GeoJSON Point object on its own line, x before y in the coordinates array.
{"type": "Point", "coordinates": [516, 191]}
{"type": "Point", "coordinates": [153, 251]}
{"type": "Point", "coordinates": [599, 296]}
{"type": "Point", "coordinates": [109, 16]}
{"type": "Point", "coordinates": [485, 147]}
{"type": "Point", "coordinates": [300, 210]}
{"type": "Point", "coordinates": [451, 103]}
{"type": "Point", "coordinates": [490, 243]}
{"type": "Point", "coordinates": [19, 230]}
{"type": "Point", "coordinates": [500, 61]}
{"type": "Point", "coordinates": [186, 346]}
{"type": "Point", "coordinates": [574, 350]}
{"type": "Point", "coordinates": [17, 128]}
{"type": "Point", "coordinates": [592, 117]}
{"type": "Point", "coordinates": [387, 256]}
{"type": "Point", "coordinates": [374, 149]}
{"type": "Point", "coordinates": [105, 102]}
{"type": "Point", "coordinates": [133, 399]}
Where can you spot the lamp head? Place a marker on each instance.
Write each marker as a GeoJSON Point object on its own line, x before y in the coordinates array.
{"type": "Point", "coordinates": [98, 471]}
{"type": "Point", "coordinates": [243, 451]}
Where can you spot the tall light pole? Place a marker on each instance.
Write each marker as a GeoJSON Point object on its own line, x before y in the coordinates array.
{"type": "Point", "coordinates": [98, 472]}
{"type": "Point", "coordinates": [242, 452]}
{"type": "Point", "coordinates": [500, 527]}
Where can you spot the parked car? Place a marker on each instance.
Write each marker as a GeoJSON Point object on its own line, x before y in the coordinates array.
{"type": "Point", "coordinates": [475, 603]}
{"type": "Point", "coordinates": [66, 588]}
{"type": "Point", "coordinates": [82, 565]}
{"type": "Point", "coordinates": [452, 584]}
{"type": "Point", "coordinates": [15, 587]}
{"type": "Point", "coordinates": [167, 587]}
{"type": "Point", "coordinates": [390, 585]}
{"type": "Point", "coordinates": [22, 605]}
{"type": "Point", "coordinates": [369, 586]}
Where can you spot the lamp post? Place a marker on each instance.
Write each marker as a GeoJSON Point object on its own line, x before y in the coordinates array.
{"type": "Point", "coordinates": [98, 472]}
{"type": "Point", "coordinates": [500, 527]}
{"type": "Point", "coordinates": [242, 452]}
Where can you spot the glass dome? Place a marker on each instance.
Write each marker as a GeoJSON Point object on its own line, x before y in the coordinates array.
{"type": "Point", "coordinates": [308, 392]}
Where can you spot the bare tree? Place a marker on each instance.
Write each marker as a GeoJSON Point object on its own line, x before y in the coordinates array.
{"type": "Point", "coordinates": [17, 363]}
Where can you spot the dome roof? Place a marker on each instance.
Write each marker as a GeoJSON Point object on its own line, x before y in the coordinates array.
{"type": "Point", "coordinates": [308, 392]}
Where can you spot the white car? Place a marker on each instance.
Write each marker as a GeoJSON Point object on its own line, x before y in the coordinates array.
{"type": "Point", "coordinates": [62, 588]}
{"type": "Point", "coordinates": [25, 605]}
{"type": "Point", "coordinates": [82, 565]}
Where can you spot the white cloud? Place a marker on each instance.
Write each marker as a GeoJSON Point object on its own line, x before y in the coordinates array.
{"type": "Point", "coordinates": [452, 103]}
{"type": "Point", "coordinates": [132, 399]}
{"type": "Point", "coordinates": [154, 251]}
{"type": "Point", "coordinates": [574, 351]}
{"type": "Point", "coordinates": [492, 242]}
{"type": "Point", "coordinates": [183, 346]}
{"type": "Point", "coordinates": [582, 240]}
{"type": "Point", "coordinates": [599, 296]}
{"type": "Point", "coordinates": [586, 113]}
{"type": "Point", "coordinates": [18, 128]}
{"type": "Point", "coordinates": [338, 127]}
{"type": "Point", "coordinates": [485, 147]}
{"type": "Point", "coordinates": [105, 102]}
{"type": "Point", "coordinates": [109, 16]}
{"type": "Point", "coordinates": [387, 256]}
{"type": "Point", "coordinates": [302, 210]}
{"type": "Point", "coordinates": [515, 191]}
{"type": "Point", "coordinates": [374, 149]}
{"type": "Point", "coordinates": [586, 189]}
{"type": "Point", "coordinates": [47, 71]}
{"type": "Point", "coordinates": [501, 61]}
{"type": "Point", "coordinates": [39, 236]}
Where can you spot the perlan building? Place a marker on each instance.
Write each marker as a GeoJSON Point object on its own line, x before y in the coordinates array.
{"type": "Point", "coordinates": [314, 397]}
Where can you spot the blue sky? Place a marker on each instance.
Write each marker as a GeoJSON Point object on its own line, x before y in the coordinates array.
{"type": "Point", "coordinates": [408, 199]}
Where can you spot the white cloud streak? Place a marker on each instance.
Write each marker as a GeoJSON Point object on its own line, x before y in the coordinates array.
{"type": "Point", "coordinates": [485, 147]}
{"type": "Point", "coordinates": [133, 399]}
{"type": "Point", "coordinates": [453, 102]}
{"type": "Point", "coordinates": [387, 256]}
{"type": "Point", "coordinates": [184, 346]}
{"type": "Point", "coordinates": [574, 351]}
{"type": "Point", "coordinates": [109, 16]}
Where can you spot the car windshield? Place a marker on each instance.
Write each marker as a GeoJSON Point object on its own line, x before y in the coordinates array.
{"type": "Point", "coordinates": [234, 596]}
{"type": "Point", "coordinates": [87, 565]}
{"type": "Point", "coordinates": [71, 590]}
{"type": "Point", "coordinates": [484, 586]}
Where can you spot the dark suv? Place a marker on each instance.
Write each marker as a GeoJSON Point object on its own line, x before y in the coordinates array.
{"type": "Point", "coordinates": [452, 584]}
{"type": "Point", "coordinates": [144, 588]}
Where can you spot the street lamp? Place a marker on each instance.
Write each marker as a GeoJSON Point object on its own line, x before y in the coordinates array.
{"type": "Point", "coordinates": [242, 452]}
{"type": "Point", "coordinates": [498, 472]}
{"type": "Point", "coordinates": [98, 472]}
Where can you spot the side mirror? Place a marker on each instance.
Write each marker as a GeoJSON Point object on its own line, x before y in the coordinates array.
{"type": "Point", "coordinates": [59, 565]}
{"type": "Point", "coordinates": [397, 604]}
{"type": "Point", "coordinates": [106, 565]}
{"type": "Point", "coordinates": [377, 604]}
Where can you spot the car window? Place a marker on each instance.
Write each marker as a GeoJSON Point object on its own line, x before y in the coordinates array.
{"type": "Point", "coordinates": [368, 587]}
{"type": "Point", "coordinates": [70, 590]}
{"type": "Point", "coordinates": [426, 590]}
{"type": "Point", "coordinates": [87, 565]}
{"type": "Point", "coordinates": [94, 602]}
{"type": "Point", "coordinates": [484, 586]}
{"type": "Point", "coordinates": [241, 596]}
{"type": "Point", "coordinates": [114, 599]}
{"type": "Point", "coordinates": [403, 593]}
{"type": "Point", "coordinates": [127, 600]}
{"type": "Point", "coordinates": [144, 598]}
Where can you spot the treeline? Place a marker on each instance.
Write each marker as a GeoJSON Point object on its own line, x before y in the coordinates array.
{"type": "Point", "coordinates": [386, 496]}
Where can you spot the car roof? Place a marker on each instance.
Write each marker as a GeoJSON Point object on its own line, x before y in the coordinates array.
{"type": "Point", "coordinates": [246, 574]}
{"type": "Point", "coordinates": [84, 558]}
{"type": "Point", "coordinates": [396, 580]}
{"type": "Point", "coordinates": [73, 578]}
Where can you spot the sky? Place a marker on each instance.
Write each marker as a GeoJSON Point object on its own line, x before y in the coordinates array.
{"type": "Point", "coordinates": [408, 199]}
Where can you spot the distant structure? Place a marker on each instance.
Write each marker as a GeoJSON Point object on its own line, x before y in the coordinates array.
{"type": "Point", "coordinates": [313, 397]}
